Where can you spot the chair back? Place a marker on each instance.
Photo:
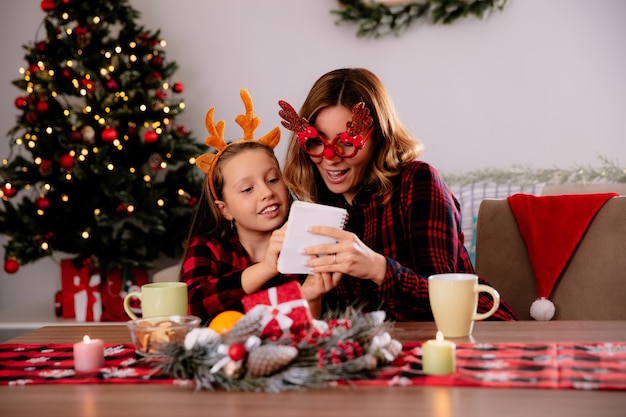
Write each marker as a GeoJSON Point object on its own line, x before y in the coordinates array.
{"type": "Point", "coordinates": [591, 287]}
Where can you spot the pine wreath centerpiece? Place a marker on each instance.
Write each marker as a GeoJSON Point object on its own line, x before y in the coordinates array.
{"type": "Point", "coordinates": [378, 18]}
{"type": "Point", "coordinates": [349, 347]}
{"type": "Point", "coordinates": [98, 167]}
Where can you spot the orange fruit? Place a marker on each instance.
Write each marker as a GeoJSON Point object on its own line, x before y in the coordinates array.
{"type": "Point", "coordinates": [225, 321]}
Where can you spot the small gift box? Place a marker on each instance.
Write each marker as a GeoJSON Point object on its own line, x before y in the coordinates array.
{"type": "Point", "coordinates": [285, 312]}
{"type": "Point", "coordinates": [80, 292]}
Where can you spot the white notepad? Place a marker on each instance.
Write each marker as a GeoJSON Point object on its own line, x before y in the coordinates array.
{"type": "Point", "coordinates": [302, 215]}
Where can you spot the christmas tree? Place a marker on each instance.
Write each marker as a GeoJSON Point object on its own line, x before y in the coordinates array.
{"type": "Point", "coordinates": [98, 168]}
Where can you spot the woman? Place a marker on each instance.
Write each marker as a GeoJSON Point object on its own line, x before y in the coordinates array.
{"type": "Point", "coordinates": [349, 149]}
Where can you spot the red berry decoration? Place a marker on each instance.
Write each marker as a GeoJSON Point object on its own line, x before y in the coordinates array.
{"type": "Point", "coordinates": [47, 5]}
{"type": "Point", "coordinates": [178, 87]}
{"type": "Point", "coordinates": [109, 134]}
{"type": "Point", "coordinates": [42, 203]}
{"type": "Point", "coordinates": [11, 266]}
{"type": "Point", "coordinates": [21, 102]}
{"type": "Point", "coordinates": [237, 351]}
{"type": "Point", "coordinates": [150, 136]}
{"type": "Point", "coordinates": [67, 162]}
{"type": "Point", "coordinates": [8, 190]}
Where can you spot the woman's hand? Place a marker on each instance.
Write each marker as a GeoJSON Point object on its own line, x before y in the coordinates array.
{"type": "Point", "coordinates": [349, 256]}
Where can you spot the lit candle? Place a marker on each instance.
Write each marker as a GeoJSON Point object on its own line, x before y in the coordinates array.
{"type": "Point", "coordinates": [438, 356]}
{"type": "Point", "coordinates": [88, 354]}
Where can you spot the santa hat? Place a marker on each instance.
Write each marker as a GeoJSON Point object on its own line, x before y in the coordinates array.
{"type": "Point", "coordinates": [552, 227]}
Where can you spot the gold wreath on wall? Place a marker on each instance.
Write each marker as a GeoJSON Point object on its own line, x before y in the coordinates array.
{"type": "Point", "coordinates": [378, 18]}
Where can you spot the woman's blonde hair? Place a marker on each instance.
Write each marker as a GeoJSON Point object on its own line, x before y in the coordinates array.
{"type": "Point", "coordinates": [394, 146]}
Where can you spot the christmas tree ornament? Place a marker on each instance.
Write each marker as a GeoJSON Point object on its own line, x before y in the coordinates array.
{"type": "Point", "coordinates": [8, 190]}
{"type": "Point", "coordinates": [67, 162]}
{"type": "Point", "coordinates": [41, 46]}
{"type": "Point", "coordinates": [42, 203]}
{"type": "Point", "coordinates": [150, 136]}
{"type": "Point", "coordinates": [42, 106]}
{"type": "Point", "coordinates": [47, 5]}
{"type": "Point", "coordinates": [111, 84]}
{"type": "Point", "coordinates": [75, 135]}
{"type": "Point", "coordinates": [45, 167]}
{"type": "Point", "coordinates": [109, 134]}
{"type": "Point", "coordinates": [31, 117]}
{"type": "Point", "coordinates": [178, 87]}
{"type": "Point", "coordinates": [11, 266]}
{"type": "Point", "coordinates": [155, 160]}
{"type": "Point", "coordinates": [89, 134]}
{"type": "Point", "coordinates": [21, 102]}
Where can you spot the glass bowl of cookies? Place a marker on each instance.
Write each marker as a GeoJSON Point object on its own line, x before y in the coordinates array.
{"type": "Point", "coordinates": [152, 336]}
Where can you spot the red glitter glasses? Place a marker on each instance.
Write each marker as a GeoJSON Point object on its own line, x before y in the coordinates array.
{"type": "Point", "coordinates": [344, 145]}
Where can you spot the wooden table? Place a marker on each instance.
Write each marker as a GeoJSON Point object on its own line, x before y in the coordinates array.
{"type": "Point", "coordinates": [165, 400]}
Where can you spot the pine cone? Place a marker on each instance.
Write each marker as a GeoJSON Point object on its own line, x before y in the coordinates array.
{"type": "Point", "coordinates": [267, 359]}
{"type": "Point", "coordinates": [248, 325]}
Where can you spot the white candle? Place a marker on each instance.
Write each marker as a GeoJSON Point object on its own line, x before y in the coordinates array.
{"type": "Point", "coordinates": [438, 356]}
{"type": "Point", "coordinates": [88, 354]}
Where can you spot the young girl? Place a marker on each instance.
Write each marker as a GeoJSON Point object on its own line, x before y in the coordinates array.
{"type": "Point", "coordinates": [237, 230]}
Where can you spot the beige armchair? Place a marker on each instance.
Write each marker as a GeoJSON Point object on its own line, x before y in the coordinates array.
{"type": "Point", "coordinates": [593, 283]}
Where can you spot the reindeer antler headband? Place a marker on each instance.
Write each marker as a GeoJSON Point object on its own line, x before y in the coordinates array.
{"type": "Point", "coordinates": [249, 123]}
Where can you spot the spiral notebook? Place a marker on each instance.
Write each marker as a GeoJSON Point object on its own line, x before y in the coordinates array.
{"type": "Point", "coordinates": [302, 215]}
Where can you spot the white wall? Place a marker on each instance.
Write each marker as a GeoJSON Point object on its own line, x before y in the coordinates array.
{"type": "Point", "coordinates": [540, 84]}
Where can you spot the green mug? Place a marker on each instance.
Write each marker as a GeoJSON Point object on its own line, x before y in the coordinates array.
{"type": "Point", "coordinates": [159, 299]}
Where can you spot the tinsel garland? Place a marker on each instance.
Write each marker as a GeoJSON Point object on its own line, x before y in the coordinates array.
{"type": "Point", "coordinates": [350, 347]}
{"type": "Point", "coordinates": [608, 171]}
{"type": "Point", "coordinates": [378, 18]}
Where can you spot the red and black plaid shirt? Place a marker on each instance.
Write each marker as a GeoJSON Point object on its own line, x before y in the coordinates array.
{"type": "Point", "coordinates": [419, 231]}
{"type": "Point", "coordinates": [212, 269]}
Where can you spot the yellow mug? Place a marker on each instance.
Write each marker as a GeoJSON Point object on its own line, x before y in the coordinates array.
{"type": "Point", "coordinates": [159, 299]}
{"type": "Point", "coordinates": [453, 301]}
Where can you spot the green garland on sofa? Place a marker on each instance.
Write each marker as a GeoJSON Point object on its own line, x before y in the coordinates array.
{"type": "Point", "coordinates": [608, 171]}
{"type": "Point", "coordinates": [378, 18]}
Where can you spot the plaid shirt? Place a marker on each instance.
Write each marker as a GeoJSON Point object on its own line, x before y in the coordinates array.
{"type": "Point", "coordinates": [419, 231]}
{"type": "Point", "coordinates": [212, 269]}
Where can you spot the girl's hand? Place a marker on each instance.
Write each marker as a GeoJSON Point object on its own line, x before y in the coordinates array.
{"type": "Point", "coordinates": [349, 255]}
{"type": "Point", "coordinates": [317, 285]}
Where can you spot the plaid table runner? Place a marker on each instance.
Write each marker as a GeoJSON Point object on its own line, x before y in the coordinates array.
{"type": "Point", "coordinates": [589, 366]}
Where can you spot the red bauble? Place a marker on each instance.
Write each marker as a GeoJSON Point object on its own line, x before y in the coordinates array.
{"type": "Point", "coordinates": [237, 351]}
{"type": "Point", "coordinates": [87, 84]}
{"type": "Point", "coordinates": [21, 102]}
{"type": "Point", "coordinates": [156, 62]}
{"type": "Point", "coordinates": [178, 87]}
{"type": "Point", "coordinates": [67, 162]}
{"type": "Point", "coordinates": [109, 134]}
{"type": "Point", "coordinates": [31, 117]}
{"type": "Point", "coordinates": [41, 46]}
{"type": "Point", "coordinates": [8, 190]}
{"type": "Point", "coordinates": [42, 203]}
{"type": "Point", "coordinates": [47, 5]}
{"type": "Point", "coordinates": [75, 136]}
{"type": "Point", "coordinates": [111, 84]}
{"type": "Point", "coordinates": [150, 136]}
{"type": "Point", "coordinates": [33, 68]}
{"type": "Point", "coordinates": [11, 266]}
{"type": "Point", "coordinates": [42, 106]}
